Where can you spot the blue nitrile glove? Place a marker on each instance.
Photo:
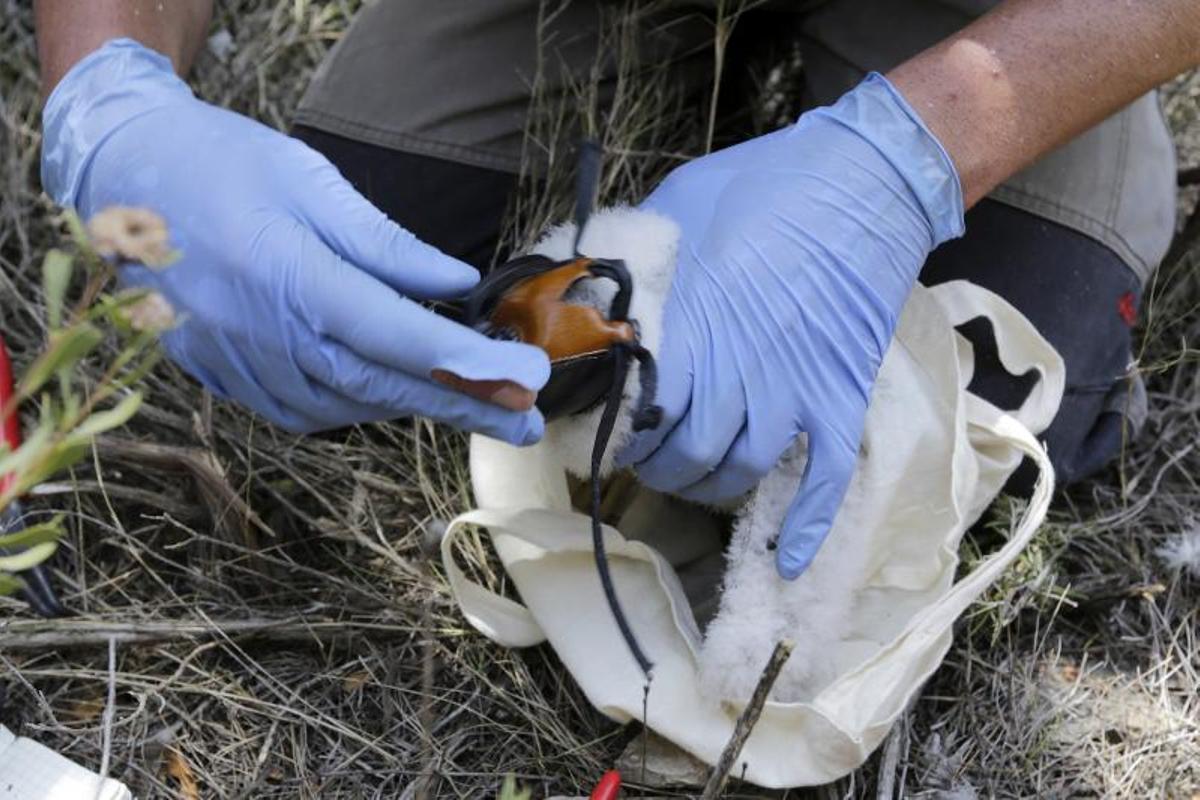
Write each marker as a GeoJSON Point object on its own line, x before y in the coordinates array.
{"type": "Point", "coordinates": [798, 251]}
{"type": "Point", "coordinates": [293, 288]}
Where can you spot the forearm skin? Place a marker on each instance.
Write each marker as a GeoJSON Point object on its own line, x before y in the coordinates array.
{"type": "Point", "coordinates": [68, 30]}
{"type": "Point", "coordinates": [1033, 74]}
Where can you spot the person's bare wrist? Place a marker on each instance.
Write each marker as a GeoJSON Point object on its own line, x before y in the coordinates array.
{"type": "Point", "coordinates": [1032, 74]}
{"type": "Point", "coordinates": [962, 100]}
{"type": "Point", "coordinates": [69, 31]}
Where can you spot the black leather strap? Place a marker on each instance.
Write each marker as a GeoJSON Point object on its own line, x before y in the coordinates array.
{"type": "Point", "coordinates": [608, 419]}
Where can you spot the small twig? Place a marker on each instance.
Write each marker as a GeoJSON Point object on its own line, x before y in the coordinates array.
{"type": "Point", "coordinates": [97, 281]}
{"type": "Point", "coordinates": [30, 634]}
{"type": "Point", "coordinates": [110, 712]}
{"type": "Point", "coordinates": [723, 30]}
{"type": "Point", "coordinates": [890, 763]}
{"type": "Point", "coordinates": [263, 753]}
{"type": "Point", "coordinates": [162, 503]}
{"type": "Point", "coordinates": [425, 713]}
{"type": "Point", "coordinates": [746, 722]}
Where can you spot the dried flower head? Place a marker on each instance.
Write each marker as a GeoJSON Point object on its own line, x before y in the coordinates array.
{"type": "Point", "coordinates": [131, 234]}
{"type": "Point", "coordinates": [151, 312]}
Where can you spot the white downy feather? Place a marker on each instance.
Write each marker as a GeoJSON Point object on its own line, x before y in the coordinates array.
{"type": "Point", "coordinates": [646, 243]}
{"type": "Point", "coordinates": [1182, 552]}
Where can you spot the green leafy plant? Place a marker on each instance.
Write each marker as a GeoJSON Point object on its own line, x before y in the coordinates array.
{"type": "Point", "coordinates": [509, 790]}
{"type": "Point", "coordinates": [73, 408]}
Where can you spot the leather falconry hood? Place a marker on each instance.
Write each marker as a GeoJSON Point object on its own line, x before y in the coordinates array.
{"type": "Point", "coordinates": [527, 299]}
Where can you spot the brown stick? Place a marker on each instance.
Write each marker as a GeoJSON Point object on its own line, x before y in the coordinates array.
{"type": "Point", "coordinates": [746, 722]}
{"type": "Point", "coordinates": [31, 634]}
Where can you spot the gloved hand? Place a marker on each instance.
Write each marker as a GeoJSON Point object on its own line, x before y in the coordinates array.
{"type": "Point", "coordinates": [294, 290]}
{"type": "Point", "coordinates": [798, 251]}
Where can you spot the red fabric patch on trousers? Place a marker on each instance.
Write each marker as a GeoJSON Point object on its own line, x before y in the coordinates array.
{"type": "Point", "coordinates": [1127, 309]}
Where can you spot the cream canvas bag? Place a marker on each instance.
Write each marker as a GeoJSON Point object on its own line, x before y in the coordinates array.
{"type": "Point", "coordinates": [934, 457]}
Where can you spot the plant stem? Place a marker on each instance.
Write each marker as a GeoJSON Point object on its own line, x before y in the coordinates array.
{"type": "Point", "coordinates": [746, 722]}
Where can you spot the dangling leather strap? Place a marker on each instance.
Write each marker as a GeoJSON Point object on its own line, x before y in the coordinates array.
{"type": "Point", "coordinates": [648, 415]}
{"type": "Point", "coordinates": [603, 433]}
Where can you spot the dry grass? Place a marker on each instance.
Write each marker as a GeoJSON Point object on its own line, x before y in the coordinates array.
{"type": "Point", "coordinates": [287, 635]}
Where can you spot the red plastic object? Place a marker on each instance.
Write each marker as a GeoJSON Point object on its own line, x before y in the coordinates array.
{"type": "Point", "coordinates": [10, 426]}
{"type": "Point", "coordinates": [38, 591]}
{"type": "Point", "coordinates": [609, 787]}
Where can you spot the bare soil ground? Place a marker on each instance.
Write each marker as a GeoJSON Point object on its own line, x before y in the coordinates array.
{"type": "Point", "coordinates": [286, 635]}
